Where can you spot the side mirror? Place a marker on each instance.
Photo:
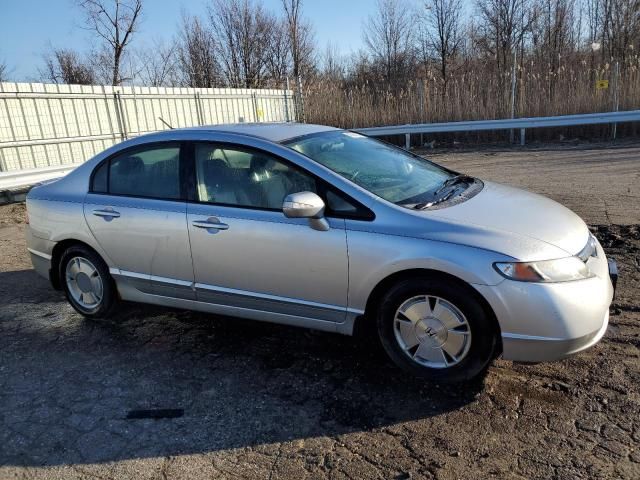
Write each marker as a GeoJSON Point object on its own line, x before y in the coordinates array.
{"type": "Point", "coordinates": [306, 205]}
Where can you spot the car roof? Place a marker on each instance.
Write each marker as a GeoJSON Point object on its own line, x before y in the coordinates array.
{"type": "Point", "coordinates": [272, 131]}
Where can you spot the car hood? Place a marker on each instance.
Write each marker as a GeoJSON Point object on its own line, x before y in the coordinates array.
{"type": "Point", "coordinates": [519, 223]}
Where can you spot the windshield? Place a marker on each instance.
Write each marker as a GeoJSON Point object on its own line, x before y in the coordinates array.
{"type": "Point", "coordinates": [387, 171]}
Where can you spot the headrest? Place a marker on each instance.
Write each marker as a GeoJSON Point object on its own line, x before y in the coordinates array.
{"type": "Point", "coordinates": [215, 164]}
{"type": "Point", "coordinates": [127, 166]}
{"type": "Point", "coordinates": [260, 162]}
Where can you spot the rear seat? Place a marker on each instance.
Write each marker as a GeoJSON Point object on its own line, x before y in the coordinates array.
{"type": "Point", "coordinates": [166, 180]}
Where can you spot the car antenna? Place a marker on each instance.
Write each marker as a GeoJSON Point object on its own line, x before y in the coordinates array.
{"type": "Point", "coordinates": [160, 118]}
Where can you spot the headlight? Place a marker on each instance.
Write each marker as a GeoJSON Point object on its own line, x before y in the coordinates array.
{"type": "Point", "coordinates": [560, 270]}
{"type": "Point", "coordinates": [589, 250]}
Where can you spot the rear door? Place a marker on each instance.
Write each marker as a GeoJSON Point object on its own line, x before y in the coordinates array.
{"type": "Point", "coordinates": [247, 255]}
{"type": "Point", "coordinates": [137, 213]}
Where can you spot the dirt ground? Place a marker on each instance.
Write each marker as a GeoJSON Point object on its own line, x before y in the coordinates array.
{"type": "Point", "coordinates": [254, 400]}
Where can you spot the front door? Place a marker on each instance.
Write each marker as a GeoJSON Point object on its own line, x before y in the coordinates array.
{"type": "Point", "coordinates": [136, 213]}
{"type": "Point", "coordinates": [247, 255]}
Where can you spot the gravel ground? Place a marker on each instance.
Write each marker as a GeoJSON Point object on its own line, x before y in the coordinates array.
{"type": "Point", "coordinates": [254, 400]}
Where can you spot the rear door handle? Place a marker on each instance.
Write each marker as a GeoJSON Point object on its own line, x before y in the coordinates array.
{"type": "Point", "coordinates": [210, 224]}
{"type": "Point", "coordinates": [107, 214]}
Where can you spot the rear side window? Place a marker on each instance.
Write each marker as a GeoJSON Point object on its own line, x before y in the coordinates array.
{"type": "Point", "coordinates": [152, 173]}
{"type": "Point", "coordinates": [101, 178]}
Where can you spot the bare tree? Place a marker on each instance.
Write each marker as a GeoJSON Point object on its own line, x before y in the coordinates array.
{"type": "Point", "coordinates": [621, 28]}
{"type": "Point", "coordinates": [114, 21]}
{"type": "Point", "coordinates": [301, 38]}
{"type": "Point", "coordinates": [4, 71]}
{"type": "Point", "coordinates": [158, 64]}
{"type": "Point", "coordinates": [443, 36]}
{"type": "Point", "coordinates": [503, 25]}
{"type": "Point", "coordinates": [388, 34]}
{"type": "Point", "coordinates": [100, 60]}
{"type": "Point", "coordinates": [278, 54]}
{"type": "Point", "coordinates": [333, 65]}
{"type": "Point", "coordinates": [197, 54]}
{"type": "Point", "coordinates": [242, 30]}
{"type": "Point", "coordinates": [593, 19]}
{"type": "Point", "coordinates": [67, 66]}
{"type": "Point", "coordinates": [552, 30]}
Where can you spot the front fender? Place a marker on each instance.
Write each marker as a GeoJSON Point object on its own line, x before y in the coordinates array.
{"type": "Point", "coordinates": [375, 256]}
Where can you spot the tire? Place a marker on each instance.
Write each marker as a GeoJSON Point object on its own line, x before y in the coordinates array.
{"type": "Point", "coordinates": [86, 282]}
{"type": "Point", "coordinates": [456, 337]}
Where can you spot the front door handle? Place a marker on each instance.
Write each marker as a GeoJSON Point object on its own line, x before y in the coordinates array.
{"type": "Point", "coordinates": [107, 213]}
{"type": "Point", "coordinates": [211, 223]}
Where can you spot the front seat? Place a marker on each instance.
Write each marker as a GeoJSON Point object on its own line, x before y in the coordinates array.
{"type": "Point", "coordinates": [272, 184]}
{"type": "Point", "coordinates": [222, 185]}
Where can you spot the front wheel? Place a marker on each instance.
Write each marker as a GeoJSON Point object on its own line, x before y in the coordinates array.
{"type": "Point", "coordinates": [435, 328]}
{"type": "Point", "coordinates": [86, 282]}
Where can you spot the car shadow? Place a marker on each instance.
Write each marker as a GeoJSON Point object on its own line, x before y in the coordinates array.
{"type": "Point", "coordinates": [154, 382]}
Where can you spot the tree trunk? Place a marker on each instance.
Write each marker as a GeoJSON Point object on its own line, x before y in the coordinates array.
{"type": "Point", "coordinates": [116, 68]}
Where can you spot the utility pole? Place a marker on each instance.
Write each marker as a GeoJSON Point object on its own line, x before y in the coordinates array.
{"type": "Point", "coordinates": [420, 85]}
{"type": "Point", "coordinates": [286, 101]}
{"type": "Point", "coordinates": [616, 97]}
{"type": "Point", "coordinates": [300, 117]}
{"type": "Point", "coordinates": [513, 91]}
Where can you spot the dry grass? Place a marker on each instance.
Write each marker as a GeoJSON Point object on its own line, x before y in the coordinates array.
{"type": "Point", "coordinates": [474, 94]}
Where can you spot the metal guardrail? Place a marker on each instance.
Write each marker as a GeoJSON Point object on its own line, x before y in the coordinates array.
{"type": "Point", "coordinates": [508, 124]}
{"type": "Point", "coordinates": [17, 179]}
{"type": "Point", "coordinates": [20, 181]}
{"type": "Point", "coordinates": [15, 185]}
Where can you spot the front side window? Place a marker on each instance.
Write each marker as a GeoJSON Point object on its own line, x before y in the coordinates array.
{"type": "Point", "coordinates": [246, 178]}
{"type": "Point", "coordinates": [152, 173]}
{"type": "Point", "coordinates": [389, 172]}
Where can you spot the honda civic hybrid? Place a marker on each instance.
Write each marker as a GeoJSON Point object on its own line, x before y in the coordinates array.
{"type": "Point", "coordinates": [324, 228]}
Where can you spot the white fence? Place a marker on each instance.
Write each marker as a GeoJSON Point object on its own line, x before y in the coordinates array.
{"type": "Point", "coordinates": [48, 125]}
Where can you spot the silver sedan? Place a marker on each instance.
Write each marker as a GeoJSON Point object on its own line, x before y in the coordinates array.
{"type": "Point", "coordinates": [324, 228]}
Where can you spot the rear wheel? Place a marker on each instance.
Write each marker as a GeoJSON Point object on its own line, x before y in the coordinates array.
{"type": "Point", "coordinates": [436, 328]}
{"type": "Point", "coordinates": [86, 282]}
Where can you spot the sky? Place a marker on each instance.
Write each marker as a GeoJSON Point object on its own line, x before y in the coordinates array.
{"type": "Point", "coordinates": [29, 27]}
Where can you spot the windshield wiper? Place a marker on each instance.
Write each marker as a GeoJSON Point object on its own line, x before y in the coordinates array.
{"type": "Point", "coordinates": [455, 180]}
{"type": "Point", "coordinates": [422, 206]}
{"type": "Point", "coordinates": [450, 182]}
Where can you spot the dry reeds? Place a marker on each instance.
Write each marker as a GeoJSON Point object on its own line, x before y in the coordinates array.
{"type": "Point", "coordinates": [475, 94]}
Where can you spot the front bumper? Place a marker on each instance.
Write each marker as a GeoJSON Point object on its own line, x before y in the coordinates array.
{"type": "Point", "coordinates": [534, 350]}
{"type": "Point", "coordinates": [548, 321]}
{"type": "Point", "coordinates": [613, 274]}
